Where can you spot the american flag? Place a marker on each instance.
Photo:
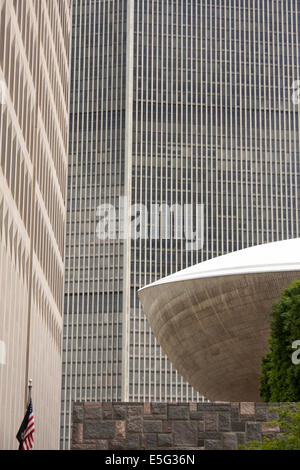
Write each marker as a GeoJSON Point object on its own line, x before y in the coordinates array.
{"type": "Point", "coordinates": [25, 434]}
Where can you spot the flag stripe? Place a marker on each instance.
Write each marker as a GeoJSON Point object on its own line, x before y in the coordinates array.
{"type": "Point", "coordinates": [26, 432]}
{"type": "Point", "coordinates": [29, 429]}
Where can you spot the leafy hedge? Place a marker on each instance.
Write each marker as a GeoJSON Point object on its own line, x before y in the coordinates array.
{"type": "Point", "coordinates": [280, 379]}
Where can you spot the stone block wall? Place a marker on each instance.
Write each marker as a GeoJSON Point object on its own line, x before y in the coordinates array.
{"type": "Point", "coordinates": [154, 426]}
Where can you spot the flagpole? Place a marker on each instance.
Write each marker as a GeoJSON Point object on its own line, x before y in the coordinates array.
{"type": "Point", "coordinates": [27, 428]}
{"type": "Point", "coordinates": [29, 389]}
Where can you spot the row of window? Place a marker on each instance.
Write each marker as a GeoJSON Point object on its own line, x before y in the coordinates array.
{"type": "Point", "coordinates": [48, 257]}
{"type": "Point", "coordinates": [46, 312]}
{"type": "Point", "coordinates": [14, 167]}
{"type": "Point", "coordinates": [48, 187]}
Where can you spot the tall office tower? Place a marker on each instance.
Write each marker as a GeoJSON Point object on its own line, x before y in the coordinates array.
{"type": "Point", "coordinates": [175, 105]}
{"type": "Point", "coordinates": [34, 93]}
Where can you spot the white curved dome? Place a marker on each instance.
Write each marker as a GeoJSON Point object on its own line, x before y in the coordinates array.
{"type": "Point", "coordinates": [268, 257]}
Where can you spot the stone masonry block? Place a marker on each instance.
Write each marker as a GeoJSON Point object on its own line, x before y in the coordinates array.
{"type": "Point", "coordinates": [77, 412]}
{"type": "Point", "coordinates": [102, 444]}
{"type": "Point", "coordinates": [178, 412]}
{"type": "Point", "coordinates": [222, 406]}
{"type": "Point", "coordinates": [77, 432]}
{"type": "Point", "coordinates": [164, 440]}
{"type": "Point", "coordinates": [247, 408]}
{"type": "Point", "coordinates": [260, 413]}
{"type": "Point", "coordinates": [134, 411]}
{"type": "Point", "coordinates": [235, 413]}
{"type": "Point", "coordinates": [116, 444]}
{"type": "Point", "coordinates": [185, 433]}
{"type": "Point", "coordinates": [167, 426]}
{"type": "Point", "coordinates": [198, 415]}
{"type": "Point", "coordinates": [120, 430]}
{"type": "Point", "coordinates": [99, 430]}
{"type": "Point", "coordinates": [119, 412]}
{"type": "Point", "coordinates": [238, 426]}
{"type": "Point", "coordinates": [193, 406]}
{"type": "Point", "coordinates": [230, 441]}
{"type": "Point", "coordinates": [85, 446]}
{"type": "Point", "coordinates": [133, 441]}
{"type": "Point", "coordinates": [151, 441]}
{"type": "Point", "coordinates": [93, 412]}
{"type": "Point", "coordinates": [213, 444]}
{"type": "Point", "coordinates": [224, 421]}
{"type": "Point", "coordinates": [253, 431]}
{"type": "Point", "coordinates": [107, 410]}
{"type": "Point", "coordinates": [204, 406]}
{"type": "Point", "coordinates": [159, 408]}
{"type": "Point", "coordinates": [211, 421]}
{"type": "Point", "coordinates": [147, 408]}
{"type": "Point", "coordinates": [135, 424]}
{"type": "Point", "coordinates": [200, 426]}
{"type": "Point", "coordinates": [210, 435]}
{"type": "Point", "coordinates": [152, 426]}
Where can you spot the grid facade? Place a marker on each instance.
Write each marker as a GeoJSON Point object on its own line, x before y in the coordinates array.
{"type": "Point", "coordinates": [172, 102]}
{"type": "Point", "coordinates": [34, 77]}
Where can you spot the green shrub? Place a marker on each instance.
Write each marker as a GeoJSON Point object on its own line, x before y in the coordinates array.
{"type": "Point", "coordinates": [280, 379]}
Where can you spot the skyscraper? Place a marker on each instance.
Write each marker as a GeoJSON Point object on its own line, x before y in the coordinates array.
{"type": "Point", "coordinates": [175, 105]}
{"type": "Point", "coordinates": [34, 91]}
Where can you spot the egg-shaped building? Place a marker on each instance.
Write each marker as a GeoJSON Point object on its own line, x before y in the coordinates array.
{"type": "Point", "coordinates": [213, 319]}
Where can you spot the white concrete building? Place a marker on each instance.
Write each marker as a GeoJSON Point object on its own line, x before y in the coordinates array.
{"type": "Point", "coordinates": [34, 117]}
